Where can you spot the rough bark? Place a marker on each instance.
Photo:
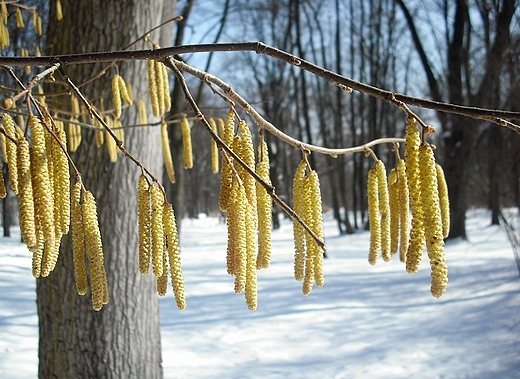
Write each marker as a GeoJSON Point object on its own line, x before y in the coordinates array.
{"type": "Point", "coordinates": [123, 339]}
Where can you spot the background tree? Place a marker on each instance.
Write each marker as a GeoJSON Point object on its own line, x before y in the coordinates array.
{"type": "Point", "coordinates": [122, 340]}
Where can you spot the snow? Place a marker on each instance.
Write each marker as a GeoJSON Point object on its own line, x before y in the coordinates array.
{"type": "Point", "coordinates": [366, 322]}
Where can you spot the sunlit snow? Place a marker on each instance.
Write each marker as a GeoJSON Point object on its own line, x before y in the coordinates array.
{"type": "Point", "coordinates": [366, 322]}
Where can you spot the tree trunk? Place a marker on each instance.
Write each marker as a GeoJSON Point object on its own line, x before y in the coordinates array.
{"type": "Point", "coordinates": [123, 339]}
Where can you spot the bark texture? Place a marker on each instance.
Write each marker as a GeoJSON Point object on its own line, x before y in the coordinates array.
{"type": "Point", "coordinates": [123, 339]}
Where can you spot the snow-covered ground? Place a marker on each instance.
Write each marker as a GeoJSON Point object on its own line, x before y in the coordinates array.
{"type": "Point", "coordinates": [366, 322]}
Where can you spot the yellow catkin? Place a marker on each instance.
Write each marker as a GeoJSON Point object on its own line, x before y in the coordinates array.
{"type": "Point", "coordinates": [61, 184]}
{"type": "Point", "coordinates": [226, 176]}
{"type": "Point", "coordinates": [94, 247]}
{"type": "Point", "coordinates": [251, 258]}
{"type": "Point", "coordinates": [111, 143]}
{"type": "Point", "coordinates": [214, 148]}
{"type": "Point", "coordinates": [9, 127]}
{"type": "Point", "coordinates": [19, 18]}
{"type": "Point", "coordinates": [125, 94]}
{"type": "Point", "coordinates": [445, 201]}
{"type": "Point", "coordinates": [4, 147]}
{"type": "Point", "coordinates": [3, 191]}
{"type": "Point", "coordinates": [152, 88]}
{"type": "Point", "coordinates": [411, 154]}
{"type": "Point", "coordinates": [393, 193]}
{"type": "Point", "coordinates": [237, 235]}
{"type": "Point", "coordinates": [74, 136]}
{"type": "Point", "coordinates": [116, 95]}
{"type": "Point", "coordinates": [26, 205]}
{"type": "Point", "coordinates": [43, 198]}
{"type": "Point", "coordinates": [100, 137]}
{"type": "Point", "coordinates": [186, 143]}
{"type": "Point", "coordinates": [166, 85]}
{"type": "Point", "coordinates": [59, 11]}
{"type": "Point", "coordinates": [404, 210]}
{"type": "Point", "coordinates": [167, 155]}
{"type": "Point", "coordinates": [162, 281]}
{"type": "Point", "coordinates": [174, 255]}
{"type": "Point", "coordinates": [78, 240]}
{"type": "Point", "coordinates": [37, 22]}
{"type": "Point", "coordinates": [157, 231]}
{"type": "Point", "coordinates": [384, 207]}
{"type": "Point", "coordinates": [221, 127]}
{"type": "Point", "coordinates": [298, 231]}
{"type": "Point", "coordinates": [373, 216]}
{"type": "Point", "coordinates": [433, 221]}
{"type": "Point", "coordinates": [141, 110]}
{"type": "Point", "coordinates": [308, 278]}
{"type": "Point", "coordinates": [313, 218]}
{"type": "Point", "coordinates": [159, 77]}
{"type": "Point", "coordinates": [3, 11]}
{"type": "Point", "coordinates": [144, 223]}
{"type": "Point", "coordinates": [264, 206]}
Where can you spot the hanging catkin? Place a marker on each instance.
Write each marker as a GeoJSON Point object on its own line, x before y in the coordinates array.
{"type": "Point", "coordinates": [61, 184]}
{"type": "Point", "coordinates": [214, 148]}
{"type": "Point", "coordinates": [226, 176]}
{"type": "Point", "coordinates": [373, 216]}
{"type": "Point", "coordinates": [98, 278]}
{"type": "Point", "coordinates": [264, 206]}
{"type": "Point", "coordinates": [445, 201]}
{"type": "Point", "coordinates": [26, 205]}
{"type": "Point", "coordinates": [298, 231]}
{"type": "Point", "coordinates": [186, 143]}
{"type": "Point", "coordinates": [152, 88]}
{"type": "Point", "coordinates": [384, 207]}
{"type": "Point", "coordinates": [404, 210]}
{"type": "Point", "coordinates": [251, 257]}
{"type": "Point", "coordinates": [174, 255]}
{"type": "Point", "coordinates": [167, 155]}
{"type": "Point", "coordinates": [144, 224]}
{"type": "Point", "coordinates": [142, 114]}
{"type": "Point", "coordinates": [238, 251]}
{"type": "Point", "coordinates": [162, 281]}
{"type": "Point", "coordinates": [116, 96]}
{"type": "Point", "coordinates": [157, 230]}
{"type": "Point", "coordinates": [433, 220]}
{"type": "Point", "coordinates": [43, 198]}
{"type": "Point", "coordinates": [393, 193]}
{"type": "Point", "coordinates": [3, 191]}
{"type": "Point", "coordinates": [78, 240]}
{"type": "Point", "coordinates": [124, 90]}
{"type": "Point", "coordinates": [11, 151]}
{"type": "Point", "coordinates": [411, 151]}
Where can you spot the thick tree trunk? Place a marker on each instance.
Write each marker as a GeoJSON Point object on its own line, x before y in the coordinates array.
{"type": "Point", "coordinates": [123, 339]}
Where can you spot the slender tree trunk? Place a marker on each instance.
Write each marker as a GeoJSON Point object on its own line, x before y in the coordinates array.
{"type": "Point", "coordinates": [123, 339]}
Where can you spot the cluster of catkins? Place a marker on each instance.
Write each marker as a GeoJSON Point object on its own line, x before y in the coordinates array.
{"type": "Point", "coordinates": [159, 240]}
{"type": "Point", "coordinates": [417, 182]}
{"type": "Point", "coordinates": [39, 175]}
{"type": "Point", "coordinates": [248, 207]}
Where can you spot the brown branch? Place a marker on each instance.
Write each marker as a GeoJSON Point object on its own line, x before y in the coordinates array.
{"type": "Point", "coordinates": [496, 116]}
{"type": "Point", "coordinates": [171, 63]}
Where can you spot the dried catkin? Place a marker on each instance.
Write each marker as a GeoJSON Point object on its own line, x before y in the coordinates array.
{"type": "Point", "coordinates": [167, 155]}
{"type": "Point", "coordinates": [393, 193]}
{"type": "Point", "coordinates": [26, 204]}
{"type": "Point", "coordinates": [445, 201]}
{"type": "Point", "coordinates": [144, 223]}
{"type": "Point", "coordinates": [298, 230]}
{"type": "Point", "coordinates": [152, 88]}
{"type": "Point", "coordinates": [186, 143]}
{"type": "Point", "coordinates": [226, 176]}
{"type": "Point", "coordinates": [373, 216]}
{"type": "Point", "coordinates": [384, 206]}
{"type": "Point", "coordinates": [43, 198]}
{"type": "Point", "coordinates": [116, 96]}
{"type": "Point", "coordinates": [157, 230]}
{"type": "Point", "coordinates": [411, 154]}
{"type": "Point", "coordinates": [174, 255]}
{"type": "Point", "coordinates": [433, 220]}
{"type": "Point", "coordinates": [214, 148]}
{"type": "Point", "coordinates": [11, 151]}
{"type": "Point", "coordinates": [404, 210]}
{"type": "Point", "coordinates": [264, 206]}
{"type": "Point", "coordinates": [98, 279]}
{"type": "Point", "coordinates": [78, 240]}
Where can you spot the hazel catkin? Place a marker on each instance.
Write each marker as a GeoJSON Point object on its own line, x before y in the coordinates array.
{"type": "Point", "coordinates": [445, 201]}
{"type": "Point", "coordinates": [144, 223]}
{"type": "Point", "coordinates": [214, 148]}
{"type": "Point", "coordinates": [10, 130]}
{"type": "Point", "coordinates": [298, 230]}
{"type": "Point", "coordinates": [384, 207]}
{"type": "Point", "coordinates": [167, 155]}
{"type": "Point", "coordinates": [393, 193]}
{"type": "Point", "coordinates": [373, 216]}
{"type": "Point", "coordinates": [78, 240]}
{"type": "Point", "coordinates": [186, 143]}
{"type": "Point", "coordinates": [404, 210]}
{"type": "Point", "coordinates": [226, 175]}
{"type": "Point", "coordinates": [116, 92]}
{"type": "Point", "coordinates": [157, 230]}
{"type": "Point", "coordinates": [264, 206]}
